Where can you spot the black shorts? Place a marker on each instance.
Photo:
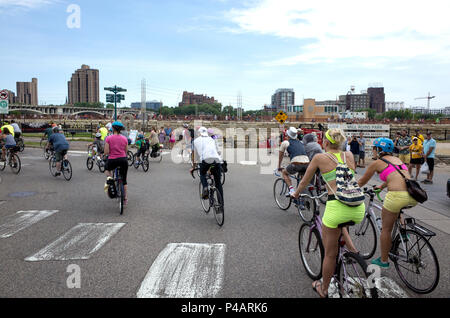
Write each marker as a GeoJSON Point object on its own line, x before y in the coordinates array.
{"type": "Point", "coordinates": [417, 161]}
{"type": "Point", "coordinates": [296, 168]}
{"type": "Point", "coordinates": [121, 163]}
{"type": "Point", "coordinates": [430, 162]}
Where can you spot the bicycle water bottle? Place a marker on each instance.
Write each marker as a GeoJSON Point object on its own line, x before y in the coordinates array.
{"type": "Point", "coordinates": [379, 223]}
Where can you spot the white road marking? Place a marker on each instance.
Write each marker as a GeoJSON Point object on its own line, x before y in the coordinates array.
{"type": "Point", "coordinates": [79, 243]}
{"type": "Point", "coordinates": [79, 152]}
{"type": "Point", "coordinates": [185, 270]}
{"type": "Point", "coordinates": [248, 163]}
{"type": "Point", "coordinates": [386, 288]}
{"type": "Point", "coordinates": [33, 158]}
{"type": "Point", "coordinates": [21, 220]}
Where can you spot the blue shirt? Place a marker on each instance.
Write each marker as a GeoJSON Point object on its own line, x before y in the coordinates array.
{"type": "Point", "coordinates": [427, 144]}
{"type": "Point", "coordinates": [59, 142]}
{"type": "Point", "coordinates": [9, 140]}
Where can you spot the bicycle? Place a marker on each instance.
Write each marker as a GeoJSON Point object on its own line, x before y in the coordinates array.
{"type": "Point", "coordinates": [156, 156]}
{"type": "Point", "coordinates": [281, 190]}
{"type": "Point", "coordinates": [130, 158]}
{"type": "Point", "coordinates": [144, 163]}
{"type": "Point", "coordinates": [94, 158]}
{"type": "Point", "coordinates": [410, 247]}
{"type": "Point", "coordinates": [48, 152]}
{"type": "Point", "coordinates": [214, 197]}
{"type": "Point", "coordinates": [66, 167]}
{"type": "Point", "coordinates": [119, 189]}
{"type": "Point", "coordinates": [20, 143]}
{"type": "Point", "coordinates": [12, 160]}
{"type": "Point", "coordinates": [43, 142]}
{"type": "Point", "coordinates": [350, 277]}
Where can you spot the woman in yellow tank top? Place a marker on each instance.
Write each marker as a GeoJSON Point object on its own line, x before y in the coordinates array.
{"type": "Point", "coordinates": [336, 213]}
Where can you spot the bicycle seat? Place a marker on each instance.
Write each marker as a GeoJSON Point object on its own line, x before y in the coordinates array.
{"type": "Point", "coordinates": [346, 224]}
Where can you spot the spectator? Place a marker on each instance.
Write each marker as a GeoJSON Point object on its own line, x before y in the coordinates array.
{"type": "Point", "coordinates": [419, 137]}
{"type": "Point", "coordinates": [362, 150]}
{"type": "Point", "coordinates": [167, 131]}
{"type": "Point", "coordinates": [396, 151]}
{"type": "Point", "coordinates": [429, 149]}
{"type": "Point", "coordinates": [417, 160]}
{"type": "Point", "coordinates": [354, 148]}
{"type": "Point", "coordinates": [403, 146]}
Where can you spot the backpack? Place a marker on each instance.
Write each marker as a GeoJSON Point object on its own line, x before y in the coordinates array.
{"type": "Point", "coordinates": [347, 188]}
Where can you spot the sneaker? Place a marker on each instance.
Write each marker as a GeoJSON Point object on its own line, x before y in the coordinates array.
{"type": "Point", "coordinates": [57, 174]}
{"type": "Point", "coordinates": [205, 194]}
{"type": "Point", "coordinates": [380, 263]}
{"type": "Point", "coordinates": [109, 180]}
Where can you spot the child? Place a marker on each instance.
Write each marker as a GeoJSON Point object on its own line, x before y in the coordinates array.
{"type": "Point", "coordinates": [98, 144]}
{"type": "Point", "coordinates": [140, 145]}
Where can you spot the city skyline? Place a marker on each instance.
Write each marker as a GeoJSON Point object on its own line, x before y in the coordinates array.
{"type": "Point", "coordinates": [221, 47]}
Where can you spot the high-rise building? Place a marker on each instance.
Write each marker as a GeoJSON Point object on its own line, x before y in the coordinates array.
{"type": "Point", "coordinates": [284, 99]}
{"type": "Point", "coordinates": [84, 86]}
{"type": "Point", "coordinates": [27, 92]}
{"type": "Point", "coordinates": [377, 99]}
{"type": "Point", "coordinates": [194, 99]}
{"type": "Point", "coordinates": [11, 97]}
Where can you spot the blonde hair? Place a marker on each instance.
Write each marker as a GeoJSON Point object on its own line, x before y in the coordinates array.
{"type": "Point", "coordinates": [338, 136]}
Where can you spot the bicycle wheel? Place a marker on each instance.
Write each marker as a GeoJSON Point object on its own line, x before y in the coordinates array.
{"type": "Point", "coordinates": [47, 154]}
{"type": "Point", "coordinates": [89, 163]}
{"type": "Point", "coordinates": [2, 165]}
{"type": "Point", "coordinates": [15, 163]}
{"type": "Point", "coordinates": [145, 164]}
{"type": "Point", "coordinates": [222, 178]}
{"type": "Point", "coordinates": [135, 162]}
{"type": "Point", "coordinates": [311, 251]}
{"type": "Point", "coordinates": [281, 194]}
{"type": "Point", "coordinates": [43, 143]}
{"type": "Point", "coordinates": [21, 145]}
{"type": "Point", "coordinates": [319, 189]}
{"type": "Point", "coordinates": [364, 237]}
{"type": "Point", "coordinates": [307, 213]}
{"type": "Point", "coordinates": [352, 278]}
{"type": "Point", "coordinates": [67, 170]}
{"type": "Point", "coordinates": [219, 211]}
{"type": "Point", "coordinates": [130, 157]}
{"type": "Point", "coordinates": [205, 202]}
{"type": "Point", "coordinates": [160, 157]}
{"type": "Point", "coordinates": [416, 262]}
{"type": "Point", "coordinates": [52, 166]}
{"type": "Point", "coordinates": [120, 196]}
{"type": "Point", "coordinates": [101, 166]}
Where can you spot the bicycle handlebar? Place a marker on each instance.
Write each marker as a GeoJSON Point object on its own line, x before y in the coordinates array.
{"type": "Point", "coordinates": [313, 198]}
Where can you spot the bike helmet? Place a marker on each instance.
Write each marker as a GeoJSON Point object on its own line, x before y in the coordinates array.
{"type": "Point", "coordinates": [118, 125]}
{"type": "Point", "coordinates": [140, 136]}
{"type": "Point", "coordinates": [385, 144]}
{"type": "Point", "coordinates": [98, 135]}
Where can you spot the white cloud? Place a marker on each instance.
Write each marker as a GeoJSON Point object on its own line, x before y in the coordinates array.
{"type": "Point", "coordinates": [334, 30]}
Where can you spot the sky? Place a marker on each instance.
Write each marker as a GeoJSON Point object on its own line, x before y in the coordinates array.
{"type": "Point", "coordinates": [223, 47]}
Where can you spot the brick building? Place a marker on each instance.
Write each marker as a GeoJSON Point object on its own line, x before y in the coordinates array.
{"type": "Point", "coordinates": [84, 86]}
{"type": "Point", "coordinates": [194, 99]}
{"type": "Point", "coordinates": [27, 92]}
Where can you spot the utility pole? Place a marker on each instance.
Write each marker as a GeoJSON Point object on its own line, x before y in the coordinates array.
{"type": "Point", "coordinates": [143, 101]}
{"type": "Point", "coordinates": [115, 97]}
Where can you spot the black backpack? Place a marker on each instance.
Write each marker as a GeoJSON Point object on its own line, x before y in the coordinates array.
{"type": "Point", "coordinates": [413, 187]}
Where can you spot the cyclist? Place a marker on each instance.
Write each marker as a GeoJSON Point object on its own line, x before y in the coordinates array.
{"type": "Point", "coordinates": [154, 143]}
{"type": "Point", "coordinates": [103, 131]}
{"type": "Point", "coordinates": [98, 143]}
{"type": "Point", "coordinates": [17, 130]}
{"type": "Point", "coordinates": [60, 145]}
{"type": "Point", "coordinates": [8, 141]}
{"type": "Point", "coordinates": [312, 147]}
{"type": "Point", "coordinates": [298, 157]}
{"type": "Point", "coordinates": [48, 132]}
{"type": "Point", "coordinates": [335, 212]}
{"type": "Point", "coordinates": [397, 197]}
{"type": "Point", "coordinates": [10, 128]}
{"type": "Point", "coordinates": [206, 152]}
{"type": "Point", "coordinates": [116, 148]}
{"type": "Point", "coordinates": [140, 145]}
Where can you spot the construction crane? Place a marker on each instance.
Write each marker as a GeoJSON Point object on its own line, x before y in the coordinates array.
{"type": "Point", "coordinates": [429, 98]}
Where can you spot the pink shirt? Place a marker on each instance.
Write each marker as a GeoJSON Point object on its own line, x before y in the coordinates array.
{"type": "Point", "coordinates": [117, 145]}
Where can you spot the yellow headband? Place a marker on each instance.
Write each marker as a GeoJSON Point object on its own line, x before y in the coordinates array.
{"type": "Point", "coordinates": [327, 134]}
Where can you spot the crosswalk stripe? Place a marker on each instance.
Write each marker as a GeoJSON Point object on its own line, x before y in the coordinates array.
{"type": "Point", "coordinates": [21, 220]}
{"type": "Point", "coordinates": [79, 243]}
{"type": "Point", "coordinates": [185, 270]}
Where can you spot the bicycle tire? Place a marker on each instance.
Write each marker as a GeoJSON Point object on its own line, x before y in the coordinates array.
{"type": "Point", "coordinates": [281, 193]}
{"type": "Point", "coordinates": [222, 178]}
{"type": "Point", "coordinates": [319, 189]}
{"type": "Point", "coordinates": [16, 169]}
{"type": "Point", "coordinates": [21, 145]}
{"type": "Point", "coordinates": [47, 154]}
{"type": "Point", "coordinates": [52, 166]}
{"type": "Point", "coordinates": [219, 211]}
{"type": "Point", "coordinates": [101, 166]}
{"type": "Point", "coordinates": [2, 165]}
{"type": "Point", "coordinates": [205, 203]}
{"type": "Point", "coordinates": [145, 165]}
{"type": "Point", "coordinates": [66, 169]}
{"type": "Point", "coordinates": [89, 163]}
{"type": "Point", "coordinates": [361, 287]}
{"type": "Point", "coordinates": [130, 158]}
{"type": "Point", "coordinates": [396, 245]}
{"type": "Point", "coordinates": [313, 240]}
{"type": "Point", "coordinates": [43, 143]}
{"type": "Point", "coordinates": [364, 237]}
{"type": "Point", "coordinates": [120, 195]}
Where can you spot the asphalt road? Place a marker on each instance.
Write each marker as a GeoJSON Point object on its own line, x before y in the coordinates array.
{"type": "Point", "coordinates": [258, 243]}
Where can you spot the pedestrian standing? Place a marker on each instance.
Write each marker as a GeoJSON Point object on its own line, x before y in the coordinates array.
{"type": "Point", "coordinates": [354, 148]}
{"type": "Point", "coordinates": [417, 160]}
{"type": "Point", "coordinates": [403, 146]}
{"type": "Point", "coordinates": [429, 149]}
{"type": "Point", "coordinates": [362, 150]}
{"type": "Point", "coordinates": [396, 151]}
{"type": "Point", "coordinates": [167, 130]}
{"type": "Point", "coordinates": [162, 136]}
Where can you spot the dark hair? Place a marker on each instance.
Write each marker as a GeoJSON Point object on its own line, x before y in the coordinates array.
{"type": "Point", "coordinates": [6, 131]}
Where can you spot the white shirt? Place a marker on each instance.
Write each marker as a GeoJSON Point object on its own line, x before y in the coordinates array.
{"type": "Point", "coordinates": [206, 149]}
{"type": "Point", "coordinates": [109, 126]}
{"type": "Point", "coordinates": [16, 128]}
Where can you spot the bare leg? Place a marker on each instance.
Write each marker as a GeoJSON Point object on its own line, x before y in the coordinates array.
{"type": "Point", "coordinates": [330, 241]}
{"type": "Point", "coordinates": [348, 240]}
{"type": "Point", "coordinates": [287, 178]}
{"type": "Point", "coordinates": [388, 220]}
